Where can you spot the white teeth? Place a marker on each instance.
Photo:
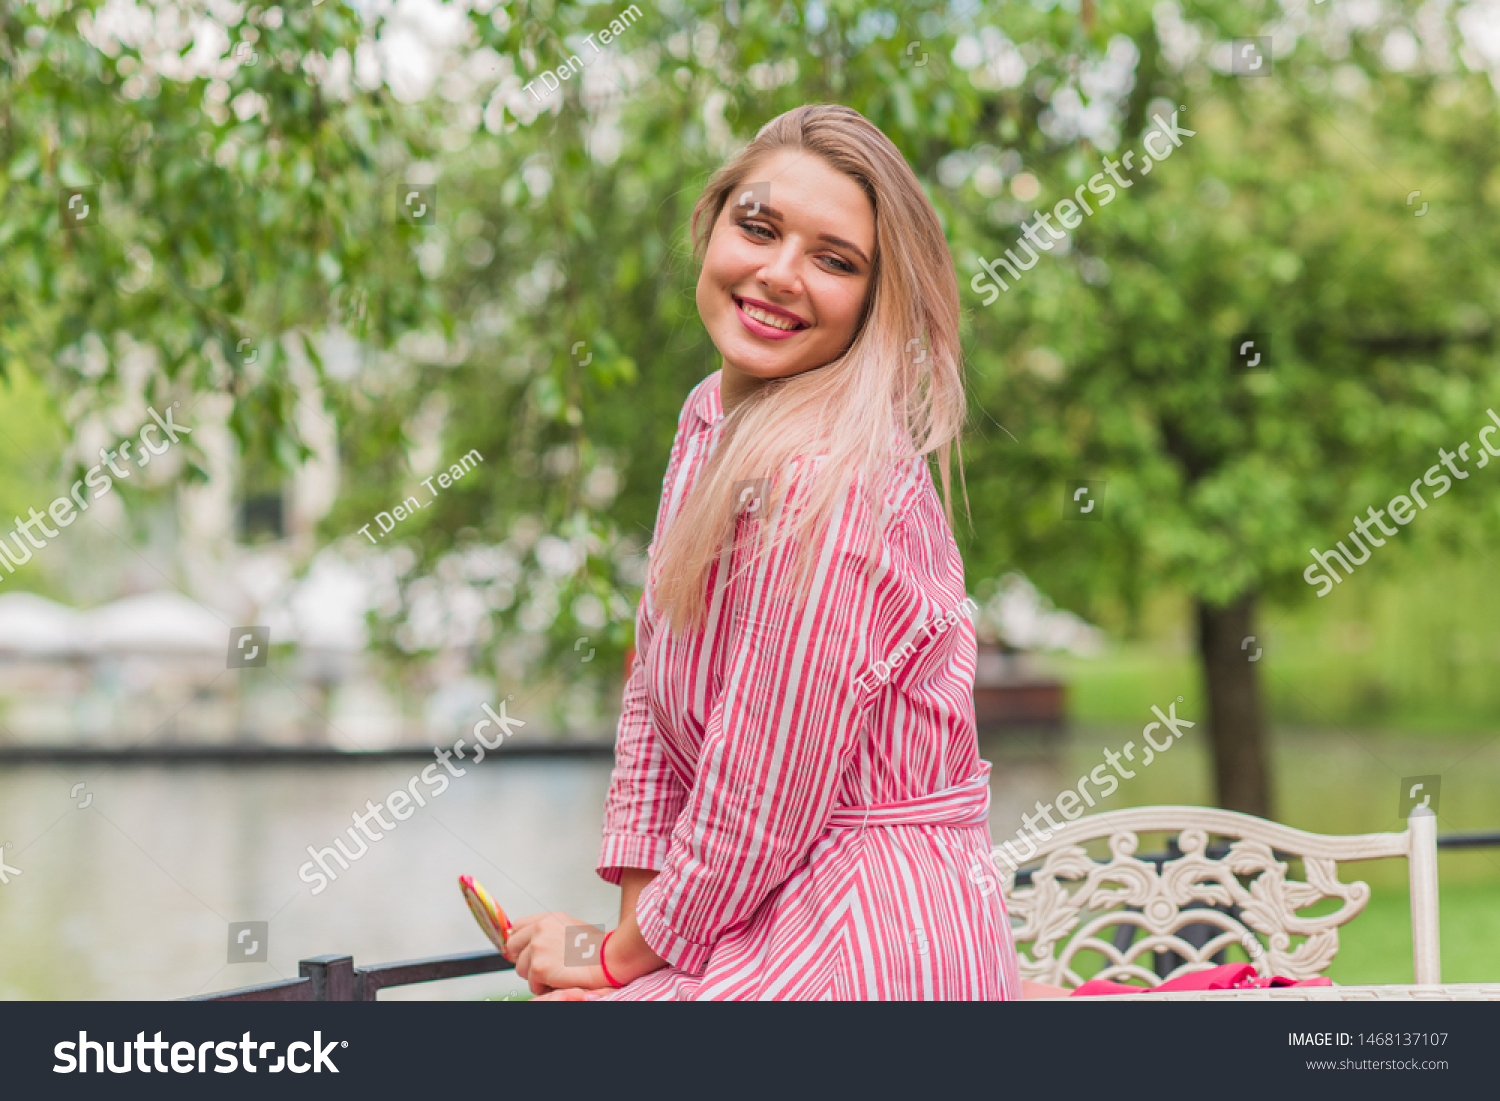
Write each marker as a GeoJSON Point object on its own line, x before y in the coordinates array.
{"type": "Point", "coordinates": [768, 319]}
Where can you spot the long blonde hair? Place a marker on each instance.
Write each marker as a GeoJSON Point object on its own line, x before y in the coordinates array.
{"type": "Point", "coordinates": [901, 377]}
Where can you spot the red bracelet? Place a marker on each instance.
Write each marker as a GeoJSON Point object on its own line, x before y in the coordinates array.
{"type": "Point", "coordinates": [607, 976]}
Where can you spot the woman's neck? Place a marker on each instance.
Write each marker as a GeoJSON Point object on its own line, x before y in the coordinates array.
{"type": "Point", "coordinates": [735, 386]}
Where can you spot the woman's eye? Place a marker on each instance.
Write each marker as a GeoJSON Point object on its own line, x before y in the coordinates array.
{"type": "Point", "coordinates": [764, 233]}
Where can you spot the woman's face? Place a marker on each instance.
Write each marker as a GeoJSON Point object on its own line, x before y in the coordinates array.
{"type": "Point", "coordinates": [782, 287]}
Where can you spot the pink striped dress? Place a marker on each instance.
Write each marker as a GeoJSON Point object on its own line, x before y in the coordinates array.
{"type": "Point", "coordinates": [820, 824]}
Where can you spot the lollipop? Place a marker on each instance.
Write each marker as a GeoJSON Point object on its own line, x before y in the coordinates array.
{"type": "Point", "coordinates": [486, 911]}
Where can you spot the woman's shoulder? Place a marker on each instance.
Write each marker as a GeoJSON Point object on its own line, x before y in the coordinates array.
{"type": "Point", "coordinates": [703, 405]}
{"type": "Point", "coordinates": [907, 481]}
{"type": "Point", "coordinates": [896, 489]}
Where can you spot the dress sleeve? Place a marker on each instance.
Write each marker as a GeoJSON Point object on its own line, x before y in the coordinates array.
{"type": "Point", "coordinates": [645, 794]}
{"type": "Point", "coordinates": [779, 737]}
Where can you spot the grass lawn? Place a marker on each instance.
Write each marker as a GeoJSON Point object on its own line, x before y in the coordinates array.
{"type": "Point", "coordinates": [1376, 946]}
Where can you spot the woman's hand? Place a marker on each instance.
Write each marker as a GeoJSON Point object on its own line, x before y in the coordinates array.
{"type": "Point", "coordinates": [537, 944]}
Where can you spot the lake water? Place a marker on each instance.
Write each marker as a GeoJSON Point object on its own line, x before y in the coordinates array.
{"type": "Point", "coordinates": [132, 895]}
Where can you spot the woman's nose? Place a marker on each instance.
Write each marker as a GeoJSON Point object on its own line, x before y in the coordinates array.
{"type": "Point", "coordinates": [781, 272]}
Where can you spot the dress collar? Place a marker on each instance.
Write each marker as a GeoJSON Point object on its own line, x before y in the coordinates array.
{"type": "Point", "coordinates": [708, 406]}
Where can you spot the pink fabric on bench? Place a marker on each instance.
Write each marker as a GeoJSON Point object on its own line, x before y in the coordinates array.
{"type": "Point", "coordinates": [1231, 976]}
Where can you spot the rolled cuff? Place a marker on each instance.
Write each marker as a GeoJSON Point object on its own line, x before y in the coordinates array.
{"type": "Point", "coordinates": [666, 942]}
{"type": "Point", "coordinates": [630, 850]}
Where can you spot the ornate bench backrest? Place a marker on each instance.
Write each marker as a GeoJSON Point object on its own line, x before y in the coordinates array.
{"type": "Point", "coordinates": [1076, 904]}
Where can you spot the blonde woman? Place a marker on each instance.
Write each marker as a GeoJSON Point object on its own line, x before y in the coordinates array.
{"type": "Point", "coordinates": [798, 808]}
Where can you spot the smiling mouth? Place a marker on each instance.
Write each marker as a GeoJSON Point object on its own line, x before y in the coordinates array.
{"type": "Point", "coordinates": [766, 317]}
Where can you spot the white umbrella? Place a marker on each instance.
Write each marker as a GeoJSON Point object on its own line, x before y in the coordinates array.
{"type": "Point", "coordinates": [157, 622]}
{"type": "Point", "coordinates": [31, 624]}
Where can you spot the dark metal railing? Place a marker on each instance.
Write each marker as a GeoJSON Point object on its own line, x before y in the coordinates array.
{"type": "Point", "coordinates": [1469, 841]}
{"type": "Point", "coordinates": [336, 979]}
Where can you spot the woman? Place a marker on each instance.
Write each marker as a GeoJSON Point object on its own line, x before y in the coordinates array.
{"type": "Point", "coordinates": [798, 809]}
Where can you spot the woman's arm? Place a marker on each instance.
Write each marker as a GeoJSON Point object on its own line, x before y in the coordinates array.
{"type": "Point", "coordinates": [538, 948]}
{"type": "Point", "coordinates": [781, 732]}
{"type": "Point", "coordinates": [631, 882]}
{"type": "Point", "coordinates": [645, 795]}
{"type": "Point", "coordinates": [644, 800]}
{"type": "Point", "coordinates": [629, 956]}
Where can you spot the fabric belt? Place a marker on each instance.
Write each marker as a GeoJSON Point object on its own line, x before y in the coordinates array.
{"type": "Point", "coordinates": [965, 804]}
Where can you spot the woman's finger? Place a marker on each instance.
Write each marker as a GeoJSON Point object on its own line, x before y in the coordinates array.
{"type": "Point", "coordinates": [523, 963]}
{"type": "Point", "coordinates": [520, 937]}
{"type": "Point", "coordinates": [551, 972]}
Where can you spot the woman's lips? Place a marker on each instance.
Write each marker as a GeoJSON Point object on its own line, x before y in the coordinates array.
{"type": "Point", "coordinates": [760, 328]}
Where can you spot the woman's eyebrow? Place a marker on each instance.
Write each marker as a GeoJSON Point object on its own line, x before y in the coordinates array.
{"type": "Point", "coordinates": [771, 212]}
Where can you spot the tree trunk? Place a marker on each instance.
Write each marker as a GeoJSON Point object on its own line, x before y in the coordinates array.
{"type": "Point", "coordinates": [1236, 719]}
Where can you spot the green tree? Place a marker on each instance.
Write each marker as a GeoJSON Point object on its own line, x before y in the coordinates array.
{"type": "Point", "coordinates": [1284, 216]}
{"type": "Point", "coordinates": [546, 318]}
{"type": "Point", "coordinates": [224, 207]}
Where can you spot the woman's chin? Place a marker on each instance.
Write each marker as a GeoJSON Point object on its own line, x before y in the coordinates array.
{"type": "Point", "coordinates": [758, 362]}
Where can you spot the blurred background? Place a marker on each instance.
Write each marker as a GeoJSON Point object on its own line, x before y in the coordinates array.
{"type": "Point", "coordinates": [421, 309]}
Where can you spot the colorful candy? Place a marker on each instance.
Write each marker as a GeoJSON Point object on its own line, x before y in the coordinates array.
{"type": "Point", "coordinates": [486, 911]}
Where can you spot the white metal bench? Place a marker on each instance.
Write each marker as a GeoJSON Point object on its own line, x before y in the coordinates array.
{"type": "Point", "coordinates": [1076, 904]}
